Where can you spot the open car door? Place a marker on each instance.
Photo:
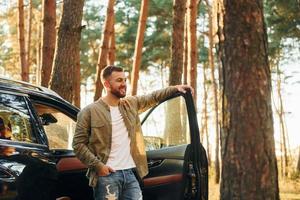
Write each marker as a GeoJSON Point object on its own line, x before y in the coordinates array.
{"type": "Point", "coordinates": [177, 161]}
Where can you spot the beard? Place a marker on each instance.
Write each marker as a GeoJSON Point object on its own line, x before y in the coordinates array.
{"type": "Point", "coordinates": [117, 92]}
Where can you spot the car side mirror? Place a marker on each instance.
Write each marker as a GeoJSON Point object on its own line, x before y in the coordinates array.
{"type": "Point", "coordinates": [48, 118]}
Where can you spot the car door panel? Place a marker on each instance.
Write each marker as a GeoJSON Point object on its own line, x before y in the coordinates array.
{"type": "Point", "coordinates": [162, 180]}
{"type": "Point", "coordinates": [166, 176]}
{"type": "Point", "coordinates": [72, 180]}
{"type": "Point", "coordinates": [59, 128]}
{"type": "Point", "coordinates": [74, 183]}
{"type": "Point", "coordinates": [174, 170]}
{"type": "Point", "coordinates": [170, 160]}
{"type": "Point", "coordinates": [25, 171]}
{"type": "Point", "coordinates": [69, 164]}
{"type": "Point", "coordinates": [23, 158]}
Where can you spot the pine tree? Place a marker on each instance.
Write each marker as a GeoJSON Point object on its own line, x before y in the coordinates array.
{"type": "Point", "coordinates": [66, 57]}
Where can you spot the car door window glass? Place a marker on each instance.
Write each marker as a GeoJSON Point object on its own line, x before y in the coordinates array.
{"type": "Point", "coordinates": [167, 125]}
{"type": "Point", "coordinates": [15, 121]}
{"type": "Point", "coordinates": [58, 127]}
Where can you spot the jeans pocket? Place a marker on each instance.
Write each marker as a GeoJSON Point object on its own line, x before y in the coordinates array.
{"type": "Point", "coordinates": [105, 175]}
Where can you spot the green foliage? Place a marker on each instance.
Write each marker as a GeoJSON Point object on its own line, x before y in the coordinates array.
{"type": "Point", "coordinates": [90, 38]}
{"type": "Point", "coordinates": [202, 50]}
{"type": "Point", "coordinates": [283, 23]}
{"type": "Point", "coordinates": [156, 50]}
{"type": "Point", "coordinates": [157, 39]}
{"type": "Point", "coordinates": [283, 18]}
{"type": "Point", "coordinates": [125, 36]}
{"type": "Point", "coordinates": [203, 40]}
{"type": "Point", "coordinates": [9, 46]}
{"type": "Point", "coordinates": [158, 36]}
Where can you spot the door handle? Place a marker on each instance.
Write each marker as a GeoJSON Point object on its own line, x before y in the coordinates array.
{"type": "Point", "coordinates": [154, 163]}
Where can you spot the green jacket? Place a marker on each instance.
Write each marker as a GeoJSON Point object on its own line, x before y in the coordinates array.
{"type": "Point", "coordinates": [93, 133]}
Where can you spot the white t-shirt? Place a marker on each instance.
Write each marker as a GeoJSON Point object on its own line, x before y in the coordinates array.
{"type": "Point", "coordinates": [120, 156]}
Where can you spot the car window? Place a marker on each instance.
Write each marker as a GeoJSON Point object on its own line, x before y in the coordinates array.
{"type": "Point", "coordinates": [58, 127]}
{"type": "Point", "coordinates": [15, 121]}
{"type": "Point", "coordinates": [167, 125]}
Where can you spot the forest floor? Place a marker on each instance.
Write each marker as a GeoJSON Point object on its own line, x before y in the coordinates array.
{"type": "Point", "coordinates": [289, 190]}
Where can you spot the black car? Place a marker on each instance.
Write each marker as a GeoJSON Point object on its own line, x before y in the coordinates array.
{"type": "Point", "coordinates": [37, 161]}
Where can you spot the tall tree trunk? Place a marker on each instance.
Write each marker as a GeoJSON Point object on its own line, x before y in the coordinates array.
{"type": "Point", "coordinates": [137, 58]}
{"type": "Point", "coordinates": [192, 11]}
{"type": "Point", "coordinates": [175, 78]}
{"type": "Point", "coordinates": [48, 40]}
{"type": "Point", "coordinates": [38, 52]}
{"type": "Point", "coordinates": [211, 61]}
{"type": "Point", "coordinates": [205, 115]}
{"type": "Point", "coordinates": [185, 51]}
{"type": "Point", "coordinates": [112, 45]}
{"type": "Point", "coordinates": [218, 15]}
{"type": "Point", "coordinates": [66, 57]}
{"type": "Point", "coordinates": [179, 8]}
{"type": "Point", "coordinates": [21, 36]}
{"type": "Point", "coordinates": [77, 81]}
{"type": "Point", "coordinates": [29, 23]}
{"type": "Point", "coordinates": [184, 81]}
{"type": "Point", "coordinates": [283, 133]}
{"type": "Point", "coordinates": [102, 59]}
{"type": "Point", "coordinates": [281, 157]}
{"type": "Point", "coordinates": [249, 167]}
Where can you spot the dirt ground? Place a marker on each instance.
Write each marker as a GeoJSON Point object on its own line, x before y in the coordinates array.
{"type": "Point", "coordinates": [289, 190]}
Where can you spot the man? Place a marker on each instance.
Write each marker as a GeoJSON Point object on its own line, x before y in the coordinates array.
{"type": "Point", "coordinates": [5, 132]}
{"type": "Point", "coordinates": [108, 137]}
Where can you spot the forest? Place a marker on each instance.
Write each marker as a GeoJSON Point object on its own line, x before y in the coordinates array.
{"type": "Point", "coordinates": [241, 57]}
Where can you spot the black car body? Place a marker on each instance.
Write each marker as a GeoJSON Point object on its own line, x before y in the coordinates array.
{"type": "Point", "coordinates": [37, 161]}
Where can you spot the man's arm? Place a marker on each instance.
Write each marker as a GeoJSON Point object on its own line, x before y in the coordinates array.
{"type": "Point", "coordinates": [145, 102]}
{"type": "Point", "coordinates": [81, 139]}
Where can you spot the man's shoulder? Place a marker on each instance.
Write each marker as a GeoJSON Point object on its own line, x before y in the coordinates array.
{"type": "Point", "coordinates": [129, 101]}
{"type": "Point", "coordinates": [91, 106]}
{"type": "Point", "coordinates": [128, 98]}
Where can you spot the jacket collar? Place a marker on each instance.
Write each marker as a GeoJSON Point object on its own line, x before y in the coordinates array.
{"type": "Point", "coordinates": [100, 101]}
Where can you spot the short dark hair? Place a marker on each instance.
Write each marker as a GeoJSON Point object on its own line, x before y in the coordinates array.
{"type": "Point", "coordinates": [108, 70]}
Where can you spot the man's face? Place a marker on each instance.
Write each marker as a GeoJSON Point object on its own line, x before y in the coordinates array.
{"type": "Point", "coordinates": [117, 84]}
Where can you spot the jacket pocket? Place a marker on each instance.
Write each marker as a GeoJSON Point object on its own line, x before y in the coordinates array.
{"type": "Point", "coordinates": [97, 129]}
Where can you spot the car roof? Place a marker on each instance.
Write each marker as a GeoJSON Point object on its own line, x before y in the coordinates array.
{"type": "Point", "coordinates": [38, 93]}
{"type": "Point", "coordinates": [27, 88]}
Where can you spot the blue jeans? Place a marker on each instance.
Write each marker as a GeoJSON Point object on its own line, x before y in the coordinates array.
{"type": "Point", "coordinates": [119, 185]}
